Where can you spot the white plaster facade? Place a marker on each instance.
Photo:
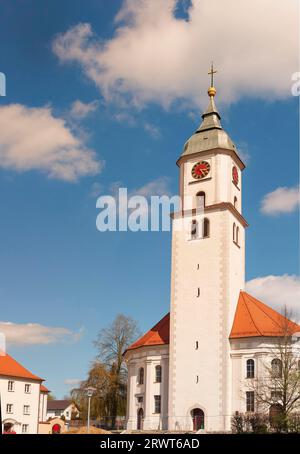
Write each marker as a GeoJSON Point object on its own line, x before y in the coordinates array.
{"type": "Point", "coordinates": [203, 370]}
{"type": "Point", "coordinates": [20, 407]}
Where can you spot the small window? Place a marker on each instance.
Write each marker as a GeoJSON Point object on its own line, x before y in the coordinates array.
{"type": "Point", "coordinates": [237, 235]}
{"type": "Point", "coordinates": [233, 232]}
{"type": "Point", "coordinates": [200, 200]}
{"type": "Point", "coordinates": [26, 410]}
{"type": "Point", "coordinates": [198, 292]}
{"type": "Point", "coordinates": [206, 228]}
{"type": "Point", "coordinates": [157, 404]}
{"type": "Point", "coordinates": [27, 388]}
{"type": "Point", "coordinates": [276, 367]}
{"type": "Point", "coordinates": [250, 368]}
{"type": "Point", "coordinates": [197, 378]}
{"type": "Point", "coordinates": [235, 202]}
{"type": "Point", "coordinates": [194, 229]}
{"type": "Point", "coordinates": [158, 374]}
{"type": "Point", "coordinates": [11, 386]}
{"type": "Point", "coordinates": [9, 408]}
{"type": "Point", "coordinates": [250, 405]}
{"type": "Point", "coordinates": [141, 376]}
{"type": "Point", "coordinates": [140, 399]}
{"type": "Point", "coordinates": [25, 428]}
{"type": "Point", "coordinates": [197, 345]}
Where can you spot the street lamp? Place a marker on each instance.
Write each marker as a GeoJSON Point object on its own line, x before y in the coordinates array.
{"type": "Point", "coordinates": [89, 392]}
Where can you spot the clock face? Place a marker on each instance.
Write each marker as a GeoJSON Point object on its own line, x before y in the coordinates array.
{"type": "Point", "coordinates": [200, 170]}
{"type": "Point", "coordinates": [235, 175]}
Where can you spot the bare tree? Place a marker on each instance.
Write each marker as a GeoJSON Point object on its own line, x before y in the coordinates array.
{"type": "Point", "coordinates": [111, 343]}
{"type": "Point", "coordinates": [277, 389]}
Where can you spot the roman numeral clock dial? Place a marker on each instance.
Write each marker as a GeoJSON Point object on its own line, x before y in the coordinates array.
{"type": "Point", "coordinates": [200, 170]}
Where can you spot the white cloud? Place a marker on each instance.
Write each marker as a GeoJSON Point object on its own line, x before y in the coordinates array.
{"type": "Point", "coordinates": [277, 291]}
{"type": "Point", "coordinates": [155, 56]}
{"type": "Point", "coordinates": [72, 381]}
{"type": "Point", "coordinates": [19, 334]}
{"type": "Point", "coordinates": [282, 200]}
{"type": "Point", "coordinates": [80, 110]}
{"type": "Point", "coordinates": [33, 139]}
{"type": "Point", "coordinates": [153, 130]}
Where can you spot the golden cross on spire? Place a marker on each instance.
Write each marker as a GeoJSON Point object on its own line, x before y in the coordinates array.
{"type": "Point", "coordinates": [211, 73]}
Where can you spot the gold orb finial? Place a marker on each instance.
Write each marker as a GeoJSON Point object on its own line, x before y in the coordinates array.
{"type": "Point", "coordinates": [211, 91]}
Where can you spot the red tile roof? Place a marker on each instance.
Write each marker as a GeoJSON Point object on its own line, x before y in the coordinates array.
{"type": "Point", "coordinates": [254, 319]}
{"type": "Point", "coordinates": [158, 335]}
{"type": "Point", "coordinates": [11, 368]}
{"type": "Point", "coordinates": [43, 389]}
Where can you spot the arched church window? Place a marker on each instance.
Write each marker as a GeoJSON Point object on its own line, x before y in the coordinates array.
{"type": "Point", "coordinates": [206, 228]}
{"type": "Point", "coordinates": [250, 368]}
{"type": "Point", "coordinates": [200, 197]}
{"type": "Point", "coordinates": [141, 376]}
{"type": "Point", "coordinates": [194, 229]}
{"type": "Point", "coordinates": [233, 232]}
{"type": "Point", "coordinates": [276, 367]}
{"type": "Point", "coordinates": [158, 374]}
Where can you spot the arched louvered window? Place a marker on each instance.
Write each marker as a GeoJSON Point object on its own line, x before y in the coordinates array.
{"type": "Point", "coordinates": [205, 228]}
{"type": "Point", "coordinates": [194, 229]}
{"type": "Point", "coordinates": [200, 199]}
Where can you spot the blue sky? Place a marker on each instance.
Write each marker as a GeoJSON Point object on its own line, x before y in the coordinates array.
{"type": "Point", "coordinates": [56, 269]}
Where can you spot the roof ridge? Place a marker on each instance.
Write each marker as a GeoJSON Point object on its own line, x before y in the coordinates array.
{"type": "Point", "coordinates": [248, 310]}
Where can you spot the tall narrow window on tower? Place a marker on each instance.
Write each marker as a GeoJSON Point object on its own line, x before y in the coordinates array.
{"type": "Point", "coordinates": [237, 236]}
{"type": "Point", "coordinates": [235, 202]}
{"type": "Point", "coordinates": [233, 232]}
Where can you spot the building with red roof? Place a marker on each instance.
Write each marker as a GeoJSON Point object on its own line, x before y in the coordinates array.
{"type": "Point", "coordinates": [23, 397]}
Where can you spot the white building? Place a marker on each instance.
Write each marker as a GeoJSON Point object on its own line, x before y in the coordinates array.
{"type": "Point", "coordinates": [62, 408]}
{"type": "Point", "coordinates": [189, 372]}
{"type": "Point", "coordinates": [22, 395]}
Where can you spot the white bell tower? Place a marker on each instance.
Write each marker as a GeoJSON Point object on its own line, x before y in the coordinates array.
{"type": "Point", "coordinates": [208, 272]}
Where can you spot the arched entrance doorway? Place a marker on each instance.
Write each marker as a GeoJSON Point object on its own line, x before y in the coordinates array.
{"type": "Point", "coordinates": [198, 419]}
{"type": "Point", "coordinates": [56, 429]}
{"type": "Point", "coordinates": [140, 417]}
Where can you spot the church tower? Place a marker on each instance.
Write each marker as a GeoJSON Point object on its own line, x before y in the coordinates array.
{"type": "Point", "coordinates": [208, 272]}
